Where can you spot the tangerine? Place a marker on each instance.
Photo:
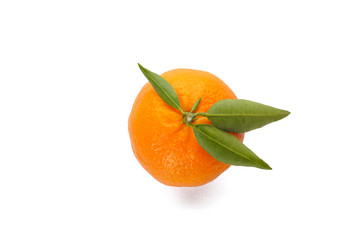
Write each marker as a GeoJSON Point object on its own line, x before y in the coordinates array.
{"type": "Point", "coordinates": [164, 145]}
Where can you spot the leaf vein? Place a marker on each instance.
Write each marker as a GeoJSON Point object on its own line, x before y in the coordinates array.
{"type": "Point", "coordinates": [242, 115]}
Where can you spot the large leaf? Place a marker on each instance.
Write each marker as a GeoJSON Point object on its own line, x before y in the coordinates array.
{"type": "Point", "coordinates": [162, 87]}
{"type": "Point", "coordinates": [225, 147]}
{"type": "Point", "coordinates": [236, 115]}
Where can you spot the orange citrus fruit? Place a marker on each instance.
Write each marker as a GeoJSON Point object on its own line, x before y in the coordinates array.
{"type": "Point", "coordinates": [164, 145]}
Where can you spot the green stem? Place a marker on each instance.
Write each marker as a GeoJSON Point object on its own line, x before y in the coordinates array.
{"type": "Point", "coordinates": [189, 117]}
{"type": "Point", "coordinates": [202, 114]}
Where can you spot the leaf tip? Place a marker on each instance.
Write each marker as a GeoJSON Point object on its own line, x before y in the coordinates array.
{"type": "Point", "coordinates": [144, 70]}
{"type": "Point", "coordinates": [264, 165]}
{"type": "Point", "coordinates": [284, 114]}
{"type": "Point", "coordinates": [268, 168]}
{"type": "Point", "coordinates": [140, 66]}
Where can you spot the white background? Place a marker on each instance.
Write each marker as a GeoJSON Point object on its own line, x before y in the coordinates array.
{"type": "Point", "coordinates": [69, 76]}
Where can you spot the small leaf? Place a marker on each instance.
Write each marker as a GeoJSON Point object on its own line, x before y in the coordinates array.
{"type": "Point", "coordinates": [226, 148]}
{"type": "Point", "coordinates": [236, 115]}
{"type": "Point", "coordinates": [165, 91]}
{"type": "Point", "coordinates": [195, 105]}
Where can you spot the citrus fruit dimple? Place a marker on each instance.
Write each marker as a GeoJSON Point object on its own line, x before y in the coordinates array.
{"type": "Point", "coordinates": [162, 143]}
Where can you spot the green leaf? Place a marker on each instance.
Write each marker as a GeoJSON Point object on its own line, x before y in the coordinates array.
{"type": "Point", "coordinates": [236, 115]}
{"type": "Point", "coordinates": [195, 105]}
{"type": "Point", "coordinates": [165, 91]}
{"type": "Point", "coordinates": [225, 147]}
